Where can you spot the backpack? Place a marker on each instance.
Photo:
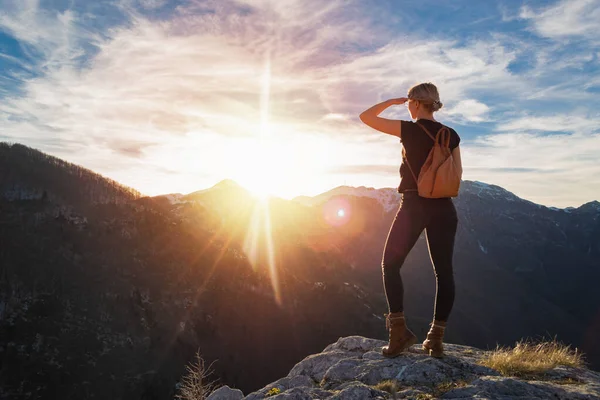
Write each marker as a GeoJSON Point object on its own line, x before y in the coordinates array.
{"type": "Point", "coordinates": [439, 177]}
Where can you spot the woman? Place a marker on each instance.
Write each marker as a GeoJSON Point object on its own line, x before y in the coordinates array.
{"type": "Point", "coordinates": [436, 216]}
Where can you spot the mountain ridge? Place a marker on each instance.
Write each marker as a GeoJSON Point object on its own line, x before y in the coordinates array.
{"type": "Point", "coordinates": [381, 194]}
{"type": "Point", "coordinates": [386, 196]}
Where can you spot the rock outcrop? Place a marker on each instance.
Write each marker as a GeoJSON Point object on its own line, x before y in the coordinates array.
{"type": "Point", "coordinates": [353, 368]}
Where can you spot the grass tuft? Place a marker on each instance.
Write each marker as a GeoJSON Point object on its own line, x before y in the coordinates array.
{"type": "Point", "coordinates": [447, 386]}
{"type": "Point", "coordinates": [389, 386]}
{"type": "Point", "coordinates": [531, 359]}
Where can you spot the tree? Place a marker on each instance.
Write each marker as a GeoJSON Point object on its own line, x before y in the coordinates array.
{"type": "Point", "coordinates": [195, 384]}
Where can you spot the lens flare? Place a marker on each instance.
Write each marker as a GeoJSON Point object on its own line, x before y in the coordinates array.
{"type": "Point", "coordinates": [257, 234]}
{"type": "Point", "coordinates": [337, 211]}
{"type": "Point", "coordinates": [261, 213]}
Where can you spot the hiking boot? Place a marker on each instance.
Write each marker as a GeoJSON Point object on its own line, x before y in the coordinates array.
{"type": "Point", "coordinates": [433, 344]}
{"type": "Point", "coordinates": [401, 338]}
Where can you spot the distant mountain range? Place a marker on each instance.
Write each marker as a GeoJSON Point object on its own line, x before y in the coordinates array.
{"type": "Point", "coordinates": [107, 292]}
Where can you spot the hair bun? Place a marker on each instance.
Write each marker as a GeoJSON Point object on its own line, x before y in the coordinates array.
{"type": "Point", "coordinates": [426, 93]}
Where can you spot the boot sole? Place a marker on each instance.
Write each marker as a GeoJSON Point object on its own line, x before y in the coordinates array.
{"type": "Point", "coordinates": [433, 352]}
{"type": "Point", "coordinates": [409, 343]}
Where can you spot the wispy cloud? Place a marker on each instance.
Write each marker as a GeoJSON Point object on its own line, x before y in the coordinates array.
{"type": "Point", "coordinates": [580, 124]}
{"type": "Point", "coordinates": [152, 4]}
{"type": "Point", "coordinates": [50, 36]}
{"type": "Point", "coordinates": [364, 169]}
{"type": "Point", "coordinates": [564, 167]}
{"type": "Point", "coordinates": [471, 110]}
{"type": "Point", "coordinates": [566, 18]}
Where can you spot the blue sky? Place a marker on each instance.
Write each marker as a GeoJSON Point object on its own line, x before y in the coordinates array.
{"type": "Point", "coordinates": [173, 96]}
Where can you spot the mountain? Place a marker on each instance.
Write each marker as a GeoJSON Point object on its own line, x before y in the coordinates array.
{"type": "Point", "coordinates": [112, 299]}
{"type": "Point", "coordinates": [107, 293]}
{"type": "Point", "coordinates": [353, 368]}
{"type": "Point", "coordinates": [387, 197]}
{"type": "Point", "coordinates": [26, 173]}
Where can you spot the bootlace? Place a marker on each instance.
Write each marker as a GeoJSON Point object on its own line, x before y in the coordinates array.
{"type": "Point", "coordinates": [388, 320]}
{"type": "Point", "coordinates": [435, 331]}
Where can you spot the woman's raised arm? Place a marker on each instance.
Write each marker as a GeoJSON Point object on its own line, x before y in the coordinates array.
{"type": "Point", "coordinates": [389, 126]}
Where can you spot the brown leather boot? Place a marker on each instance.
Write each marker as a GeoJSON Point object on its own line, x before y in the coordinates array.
{"type": "Point", "coordinates": [433, 344]}
{"type": "Point", "coordinates": [401, 338]}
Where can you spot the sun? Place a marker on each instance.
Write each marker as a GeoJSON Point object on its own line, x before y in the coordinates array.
{"type": "Point", "coordinates": [263, 168]}
{"type": "Point", "coordinates": [259, 187]}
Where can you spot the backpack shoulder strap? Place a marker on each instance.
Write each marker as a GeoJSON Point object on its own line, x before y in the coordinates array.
{"type": "Point", "coordinates": [444, 136]}
{"type": "Point", "coordinates": [443, 133]}
{"type": "Point", "coordinates": [404, 155]}
{"type": "Point", "coordinates": [426, 131]}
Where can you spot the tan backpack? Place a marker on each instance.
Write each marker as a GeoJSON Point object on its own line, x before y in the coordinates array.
{"type": "Point", "coordinates": [439, 177]}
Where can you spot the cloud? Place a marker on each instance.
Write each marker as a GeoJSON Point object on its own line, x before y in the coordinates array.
{"type": "Point", "coordinates": [553, 123]}
{"type": "Point", "coordinates": [560, 170]}
{"type": "Point", "coordinates": [369, 169]}
{"type": "Point", "coordinates": [52, 37]}
{"type": "Point", "coordinates": [517, 170]}
{"type": "Point", "coordinates": [16, 61]}
{"type": "Point", "coordinates": [470, 110]}
{"type": "Point", "coordinates": [335, 116]}
{"type": "Point", "coordinates": [567, 18]}
{"type": "Point", "coordinates": [152, 4]}
{"type": "Point", "coordinates": [130, 148]}
{"type": "Point", "coordinates": [195, 71]}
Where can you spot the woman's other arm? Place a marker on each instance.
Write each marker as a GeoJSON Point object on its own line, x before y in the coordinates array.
{"type": "Point", "coordinates": [457, 159]}
{"type": "Point", "coordinates": [389, 126]}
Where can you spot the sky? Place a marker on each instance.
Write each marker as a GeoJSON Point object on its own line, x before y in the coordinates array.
{"type": "Point", "coordinates": [175, 96]}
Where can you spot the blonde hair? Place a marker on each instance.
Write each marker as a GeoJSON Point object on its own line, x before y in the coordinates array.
{"type": "Point", "coordinates": [427, 94]}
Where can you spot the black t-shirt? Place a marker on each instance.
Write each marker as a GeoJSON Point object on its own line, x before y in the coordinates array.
{"type": "Point", "coordinates": [417, 145]}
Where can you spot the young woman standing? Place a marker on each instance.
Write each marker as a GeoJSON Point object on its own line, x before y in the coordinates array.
{"type": "Point", "coordinates": [437, 216]}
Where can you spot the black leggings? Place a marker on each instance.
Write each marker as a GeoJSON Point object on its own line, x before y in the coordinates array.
{"type": "Point", "coordinates": [438, 218]}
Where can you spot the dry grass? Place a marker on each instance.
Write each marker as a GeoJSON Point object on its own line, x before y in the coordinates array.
{"type": "Point", "coordinates": [195, 384]}
{"type": "Point", "coordinates": [389, 386]}
{"type": "Point", "coordinates": [444, 387]}
{"type": "Point", "coordinates": [530, 359]}
{"type": "Point", "coordinates": [568, 381]}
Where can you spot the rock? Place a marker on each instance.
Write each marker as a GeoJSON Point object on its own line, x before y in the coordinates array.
{"type": "Point", "coordinates": [316, 365]}
{"type": "Point", "coordinates": [353, 368]}
{"type": "Point", "coordinates": [496, 387]}
{"type": "Point", "coordinates": [226, 393]}
{"type": "Point", "coordinates": [359, 391]}
{"type": "Point", "coordinates": [357, 344]}
{"type": "Point", "coordinates": [297, 393]}
{"type": "Point", "coordinates": [284, 384]}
